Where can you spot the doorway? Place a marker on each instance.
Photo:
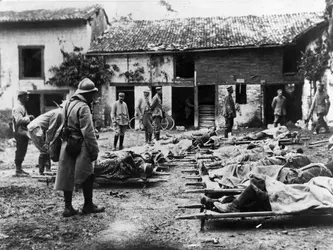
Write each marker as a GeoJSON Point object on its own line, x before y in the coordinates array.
{"type": "Point", "coordinates": [293, 94]}
{"type": "Point", "coordinates": [206, 101]}
{"type": "Point", "coordinates": [183, 106]}
{"type": "Point", "coordinates": [33, 105]}
{"type": "Point", "coordinates": [129, 99]}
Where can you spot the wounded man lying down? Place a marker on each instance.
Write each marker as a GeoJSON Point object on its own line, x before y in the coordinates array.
{"type": "Point", "coordinates": [312, 190]}
{"type": "Point", "coordinates": [122, 165]}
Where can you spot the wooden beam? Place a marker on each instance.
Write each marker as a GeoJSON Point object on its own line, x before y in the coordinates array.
{"type": "Point", "coordinates": [196, 102]}
{"type": "Point", "coordinates": [216, 103]}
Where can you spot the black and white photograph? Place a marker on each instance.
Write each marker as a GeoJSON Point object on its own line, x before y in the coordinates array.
{"type": "Point", "coordinates": [166, 124]}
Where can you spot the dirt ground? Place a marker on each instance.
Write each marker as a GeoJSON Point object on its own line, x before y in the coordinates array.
{"type": "Point", "coordinates": [139, 217]}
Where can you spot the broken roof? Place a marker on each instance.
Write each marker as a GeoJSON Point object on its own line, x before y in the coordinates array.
{"type": "Point", "coordinates": [50, 14]}
{"type": "Point", "coordinates": [203, 33]}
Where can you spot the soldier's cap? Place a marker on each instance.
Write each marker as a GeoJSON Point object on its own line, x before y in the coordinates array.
{"type": "Point", "coordinates": [147, 90]}
{"type": "Point", "coordinates": [229, 88]}
{"type": "Point", "coordinates": [86, 86]}
{"type": "Point", "coordinates": [157, 88]}
{"type": "Point", "coordinates": [22, 92]}
{"type": "Point", "coordinates": [121, 94]}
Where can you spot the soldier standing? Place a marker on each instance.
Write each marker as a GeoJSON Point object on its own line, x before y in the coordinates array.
{"type": "Point", "coordinates": [229, 111]}
{"type": "Point", "coordinates": [145, 114]}
{"type": "Point", "coordinates": [120, 120]}
{"type": "Point", "coordinates": [20, 121]}
{"type": "Point", "coordinates": [156, 107]}
{"type": "Point", "coordinates": [321, 104]}
{"type": "Point", "coordinates": [79, 149]}
{"type": "Point", "coordinates": [279, 108]}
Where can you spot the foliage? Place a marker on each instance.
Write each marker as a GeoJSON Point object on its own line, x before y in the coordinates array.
{"type": "Point", "coordinates": [167, 5]}
{"type": "Point", "coordinates": [314, 62]}
{"type": "Point", "coordinates": [77, 66]}
{"type": "Point", "coordinates": [134, 76]}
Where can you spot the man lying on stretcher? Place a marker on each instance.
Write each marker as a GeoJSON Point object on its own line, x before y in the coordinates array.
{"type": "Point", "coordinates": [256, 198]}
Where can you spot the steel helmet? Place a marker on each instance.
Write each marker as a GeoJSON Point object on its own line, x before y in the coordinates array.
{"type": "Point", "coordinates": [86, 86]}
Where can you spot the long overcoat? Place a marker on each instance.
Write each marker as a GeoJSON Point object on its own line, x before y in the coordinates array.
{"type": "Point", "coordinates": [73, 171]}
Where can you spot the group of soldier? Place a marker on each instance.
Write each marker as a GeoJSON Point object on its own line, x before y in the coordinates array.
{"type": "Point", "coordinates": [149, 113]}
{"type": "Point", "coordinates": [320, 105]}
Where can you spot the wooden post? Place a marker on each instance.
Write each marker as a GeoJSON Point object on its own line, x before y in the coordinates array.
{"type": "Point", "coordinates": [263, 103]}
{"type": "Point", "coordinates": [196, 102]}
{"type": "Point", "coordinates": [216, 103]}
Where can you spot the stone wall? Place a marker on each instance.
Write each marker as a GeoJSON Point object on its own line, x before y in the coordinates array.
{"type": "Point", "coordinates": [248, 113]}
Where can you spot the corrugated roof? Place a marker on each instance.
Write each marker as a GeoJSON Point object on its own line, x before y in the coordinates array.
{"type": "Point", "coordinates": [49, 14]}
{"type": "Point", "coordinates": [201, 33]}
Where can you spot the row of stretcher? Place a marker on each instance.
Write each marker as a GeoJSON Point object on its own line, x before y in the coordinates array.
{"type": "Point", "coordinates": [200, 183]}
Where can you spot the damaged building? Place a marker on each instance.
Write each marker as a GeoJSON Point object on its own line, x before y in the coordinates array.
{"type": "Point", "coordinates": [197, 58]}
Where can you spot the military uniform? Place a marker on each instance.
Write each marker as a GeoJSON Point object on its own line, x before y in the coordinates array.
{"type": "Point", "coordinates": [41, 133]}
{"type": "Point", "coordinates": [78, 170]}
{"type": "Point", "coordinates": [279, 108]}
{"type": "Point", "coordinates": [157, 114]}
{"type": "Point", "coordinates": [229, 113]}
{"type": "Point", "coordinates": [20, 120]}
{"type": "Point", "coordinates": [120, 118]}
{"type": "Point", "coordinates": [144, 111]}
{"type": "Point", "coordinates": [321, 108]}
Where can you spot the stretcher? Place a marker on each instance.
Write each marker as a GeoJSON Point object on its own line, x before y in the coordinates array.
{"type": "Point", "coordinates": [129, 181]}
{"type": "Point", "coordinates": [205, 215]}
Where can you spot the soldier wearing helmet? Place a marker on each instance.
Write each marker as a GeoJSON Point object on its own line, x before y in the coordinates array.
{"type": "Point", "coordinates": [79, 149]}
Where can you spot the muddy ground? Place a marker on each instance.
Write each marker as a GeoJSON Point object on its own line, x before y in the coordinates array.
{"type": "Point", "coordinates": [139, 217]}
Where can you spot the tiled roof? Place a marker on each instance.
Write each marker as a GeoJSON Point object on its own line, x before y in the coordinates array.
{"type": "Point", "coordinates": [202, 33]}
{"type": "Point", "coordinates": [49, 14]}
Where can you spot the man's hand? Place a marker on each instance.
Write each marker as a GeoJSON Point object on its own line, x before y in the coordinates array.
{"type": "Point", "coordinates": [45, 147]}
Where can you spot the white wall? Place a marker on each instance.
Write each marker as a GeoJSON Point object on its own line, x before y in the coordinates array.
{"type": "Point", "coordinates": [48, 36]}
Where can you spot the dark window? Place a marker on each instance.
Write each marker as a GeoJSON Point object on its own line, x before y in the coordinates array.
{"type": "Point", "coordinates": [241, 94]}
{"type": "Point", "coordinates": [290, 57]}
{"type": "Point", "coordinates": [31, 62]}
{"type": "Point", "coordinates": [51, 100]}
{"type": "Point", "coordinates": [184, 65]}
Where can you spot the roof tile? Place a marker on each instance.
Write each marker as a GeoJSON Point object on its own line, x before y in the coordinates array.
{"type": "Point", "coordinates": [49, 15]}
{"type": "Point", "coordinates": [200, 33]}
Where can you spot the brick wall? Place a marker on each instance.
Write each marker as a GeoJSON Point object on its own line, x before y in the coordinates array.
{"type": "Point", "coordinates": [252, 65]}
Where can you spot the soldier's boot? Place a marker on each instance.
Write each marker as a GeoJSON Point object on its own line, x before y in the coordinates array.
{"type": "Point", "coordinates": [41, 164]}
{"type": "Point", "coordinates": [150, 138]}
{"type": "Point", "coordinates": [115, 141]}
{"type": "Point", "coordinates": [157, 136]}
{"type": "Point", "coordinates": [48, 163]}
{"type": "Point", "coordinates": [19, 171]}
{"type": "Point", "coordinates": [69, 210]}
{"type": "Point", "coordinates": [146, 137]}
{"type": "Point", "coordinates": [89, 207]}
{"type": "Point", "coordinates": [121, 141]}
{"type": "Point", "coordinates": [208, 202]}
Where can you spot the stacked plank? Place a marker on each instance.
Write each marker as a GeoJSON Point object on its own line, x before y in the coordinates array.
{"type": "Point", "coordinates": [206, 116]}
